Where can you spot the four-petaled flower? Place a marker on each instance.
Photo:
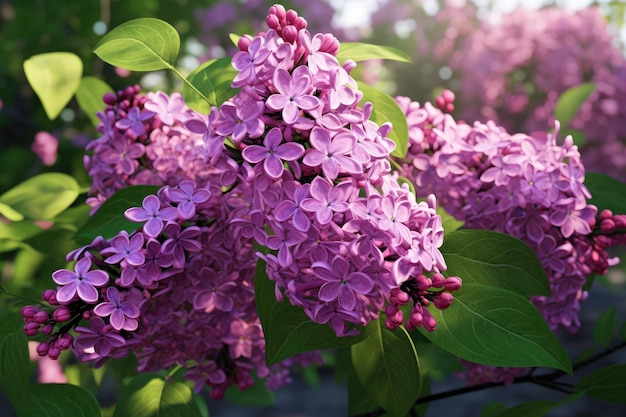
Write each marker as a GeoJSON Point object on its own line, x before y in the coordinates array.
{"type": "Point", "coordinates": [293, 93]}
{"type": "Point", "coordinates": [123, 314]}
{"type": "Point", "coordinates": [273, 153]}
{"type": "Point", "coordinates": [341, 283]}
{"type": "Point", "coordinates": [331, 153]}
{"type": "Point", "coordinates": [152, 213]}
{"type": "Point", "coordinates": [134, 121]}
{"type": "Point", "coordinates": [81, 282]}
{"type": "Point", "coordinates": [124, 250]}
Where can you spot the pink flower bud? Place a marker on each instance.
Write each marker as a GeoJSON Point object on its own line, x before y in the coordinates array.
{"type": "Point", "coordinates": [443, 300]}
{"type": "Point", "coordinates": [41, 317]}
{"type": "Point", "coordinates": [47, 329]}
{"type": "Point", "coordinates": [62, 314]}
{"type": "Point", "coordinates": [28, 312]}
{"type": "Point", "coordinates": [452, 283]}
{"type": "Point", "coordinates": [31, 329]}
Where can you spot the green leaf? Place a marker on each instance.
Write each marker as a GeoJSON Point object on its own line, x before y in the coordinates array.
{"type": "Point", "coordinates": [256, 396]}
{"type": "Point", "coordinates": [606, 384]}
{"type": "Point", "coordinates": [435, 362]}
{"type": "Point", "coordinates": [213, 79]}
{"type": "Point", "coordinates": [359, 400]}
{"type": "Point", "coordinates": [144, 44]}
{"type": "Point", "coordinates": [148, 395]}
{"type": "Point", "coordinates": [570, 102]}
{"type": "Point", "coordinates": [578, 137]}
{"type": "Point", "coordinates": [387, 110]}
{"type": "Point", "coordinates": [497, 327]}
{"type": "Point", "coordinates": [449, 223]}
{"type": "Point", "coordinates": [18, 230]}
{"type": "Point", "coordinates": [494, 259]}
{"type": "Point", "coordinates": [605, 327]}
{"type": "Point", "coordinates": [606, 192]}
{"type": "Point", "coordinates": [492, 409]}
{"type": "Point", "coordinates": [537, 408]}
{"type": "Point", "coordinates": [61, 400]}
{"type": "Point", "coordinates": [8, 212]}
{"type": "Point", "coordinates": [89, 97]}
{"type": "Point", "coordinates": [622, 332]}
{"type": "Point", "coordinates": [43, 196]}
{"type": "Point", "coordinates": [56, 241]}
{"type": "Point", "coordinates": [287, 329]}
{"type": "Point", "coordinates": [387, 366]}
{"type": "Point", "coordinates": [55, 78]}
{"type": "Point", "coordinates": [15, 368]}
{"type": "Point", "coordinates": [234, 38]}
{"type": "Point", "coordinates": [358, 51]}
{"type": "Point", "coordinates": [109, 220]}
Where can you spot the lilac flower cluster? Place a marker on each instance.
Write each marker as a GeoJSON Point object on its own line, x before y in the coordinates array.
{"type": "Point", "coordinates": [513, 73]}
{"type": "Point", "coordinates": [526, 186]}
{"type": "Point", "coordinates": [292, 164]}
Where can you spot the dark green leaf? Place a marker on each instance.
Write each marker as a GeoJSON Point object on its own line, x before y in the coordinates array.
{"type": "Point", "coordinates": [435, 362]}
{"type": "Point", "coordinates": [359, 399]}
{"type": "Point", "coordinates": [387, 110]}
{"type": "Point", "coordinates": [358, 51]}
{"type": "Point", "coordinates": [495, 259]}
{"type": "Point", "coordinates": [61, 400]}
{"type": "Point", "coordinates": [493, 409]}
{"type": "Point", "coordinates": [15, 368]}
{"type": "Point", "coordinates": [148, 395]}
{"type": "Point", "coordinates": [538, 408]}
{"type": "Point", "coordinates": [109, 220]}
{"type": "Point", "coordinates": [55, 78]}
{"type": "Point", "coordinates": [89, 97]}
{"type": "Point", "coordinates": [570, 102]}
{"type": "Point", "coordinates": [605, 327]}
{"type": "Point", "coordinates": [256, 396]}
{"type": "Point", "coordinates": [586, 353]}
{"type": "Point", "coordinates": [213, 79]}
{"type": "Point", "coordinates": [622, 332]}
{"type": "Point", "coordinates": [606, 384]}
{"type": "Point", "coordinates": [144, 44]}
{"type": "Point", "coordinates": [43, 196]}
{"type": "Point", "coordinates": [606, 192]}
{"type": "Point", "coordinates": [287, 329]}
{"type": "Point", "coordinates": [56, 241]}
{"type": "Point", "coordinates": [387, 366]}
{"type": "Point", "coordinates": [497, 327]}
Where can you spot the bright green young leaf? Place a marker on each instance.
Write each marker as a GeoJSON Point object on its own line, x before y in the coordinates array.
{"type": "Point", "coordinates": [109, 220]}
{"type": "Point", "coordinates": [8, 212]}
{"type": "Point", "coordinates": [387, 110]}
{"type": "Point", "coordinates": [55, 78]}
{"type": "Point", "coordinates": [149, 395]}
{"type": "Point", "coordinates": [15, 368]}
{"type": "Point", "coordinates": [386, 364]}
{"type": "Point", "coordinates": [144, 44]}
{"type": "Point", "coordinates": [495, 259]}
{"type": "Point", "coordinates": [61, 400]}
{"type": "Point", "coordinates": [56, 241]}
{"type": "Point", "coordinates": [449, 223]}
{"type": "Point", "coordinates": [234, 38]}
{"type": "Point", "coordinates": [606, 384]}
{"type": "Point", "coordinates": [570, 102]}
{"type": "Point", "coordinates": [358, 52]}
{"type": "Point", "coordinates": [605, 327]}
{"type": "Point", "coordinates": [89, 97]}
{"type": "Point", "coordinates": [287, 329]}
{"type": "Point", "coordinates": [497, 327]}
{"type": "Point", "coordinates": [606, 192]}
{"type": "Point", "coordinates": [212, 79]}
{"type": "Point", "coordinates": [18, 230]}
{"type": "Point", "coordinates": [43, 196]}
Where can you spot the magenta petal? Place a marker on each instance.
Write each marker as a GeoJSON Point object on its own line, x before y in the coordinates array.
{"type": "Point", "coordinates": [104, 309]}
{"type": "Point", "coordinates": [66, 293]}
{"type": "Point", "coordinates": [273, 166]}
{"type": "Point", "coordinates": [63, 276]}
{"type": "Point", "coordinates": [87, 292]}
{"type": "Point", "coordinates": [136, 214]}
{"type": "Point", "coordinates": [276, 102]}
{"type": "Point", "coordinates": [314, 158]}
{"type": "Point", "coordinates": [117, 319]}
{"type": "Point", "coordinates": [360, 283]}
{"type": "Point", "coordinates": [153, 227]}
{"type": "Point", "coordinates": [254, 154]}
{"type": "Point", "coordinates": [96, 277]}
{"type": "Point", "coordinates": [301, 221]}
{"type": "Point", "coordinates": [282, 81]}
{"type": "Point", "coordinates": [290, 112]}
{"type": "Point", "coordinates": [307, 103]}
{"type": "Point", "coordinates": [223, 302]}
{"type": "Point", "coordinates": [346, 298]}
{"type": "Point", "coordinates": [328, 291]}
{"type": "Point", "coordinates": [151, 203]}
{"type": "Point", "coordinates": [289, 151]}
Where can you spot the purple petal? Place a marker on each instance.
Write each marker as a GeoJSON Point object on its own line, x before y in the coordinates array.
{"type": "Point", "coordinates": [276, 102]}
{"type": "Point", "coordinates": [64, 276]}
{"type": "Point", "coordinates": [254, 154]}
{"type": "Point", "coordinates": [137, 214]}
{"type": "Point", "coordinates": [104, 309]}
{"type": "Point", "coordinates": [328, 291]}
{"type": "Point", "coordinates": [273, 166]}
{"type": "Point", "coordinates": [153, 227]}
{"type": "Point", "coordinates": [117, 319]}
{"type": "Point", "coordinates": [307, 102]}
{"type": "Point", "coordinates": [360, 282]}
{"type": "Point", "coordinates": [87, 292]}
{"type": "Point", "coordinates": [282, 82]}
{"type": "Point", "coordinates": [66, 293]}
{"type": "Point", "coordinates": [290, 112]}
{"type": "Point", "coordinates": [96, 277]}
{"type": "Point", "coordinates": [314, 158]}
{"type": "Point", "coordinates": [346, 298]}
{"type": "Point", "coordinates": [289, 151]}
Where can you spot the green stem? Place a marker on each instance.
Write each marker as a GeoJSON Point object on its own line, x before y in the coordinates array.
{"type": "Point", "coordinates": [189, 84]}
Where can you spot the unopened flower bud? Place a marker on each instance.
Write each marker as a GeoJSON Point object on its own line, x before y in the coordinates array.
{"type": "Point", "coordinates": [31, 329]}
{"type": "Point", "coordinates": [443, 300]}
{"type": "Point", "coordinates": [47, 329]}
{"type": "Point", "coordinates": [41, 317]}
{"type": "Point", "coordinates": [62, 314]}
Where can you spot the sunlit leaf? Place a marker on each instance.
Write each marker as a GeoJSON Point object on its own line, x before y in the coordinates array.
{"type": "Point", "coordinates": [61, 400]}
{"type": "Point", "coordinates": [387, 110]}
{"type": "Point", "coordinates": [54, 77]}
{"type": "Point", "coordinates": [497, 327]}
{"type": "Point", "coordinates": [144, 44]}
{"type": "Point", "coordinates": [43, 196]}
{"type": "Point", "coordinates": [605, 327]}
{"type": "Point", "coordinates": [606, 192]}
{"type": "Point", "coordinates": [358, 51]}
{"type": "Point", "coordinates": [570, 101]}
{"type": "Point", "coordinates": [212, 79]}
{"type": "Point", "coordinates": [109, 220]}
{"type": "Point", "coordinates": [149, 395]}
{"type": "Point", "coordinates": [89, 97]}
{"type": "Point", "coordinates": [287, 329]}
{"type": "Point", "coordinates": [387, 366]}
{"type": "Point", "coordinates": [495, 259]}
